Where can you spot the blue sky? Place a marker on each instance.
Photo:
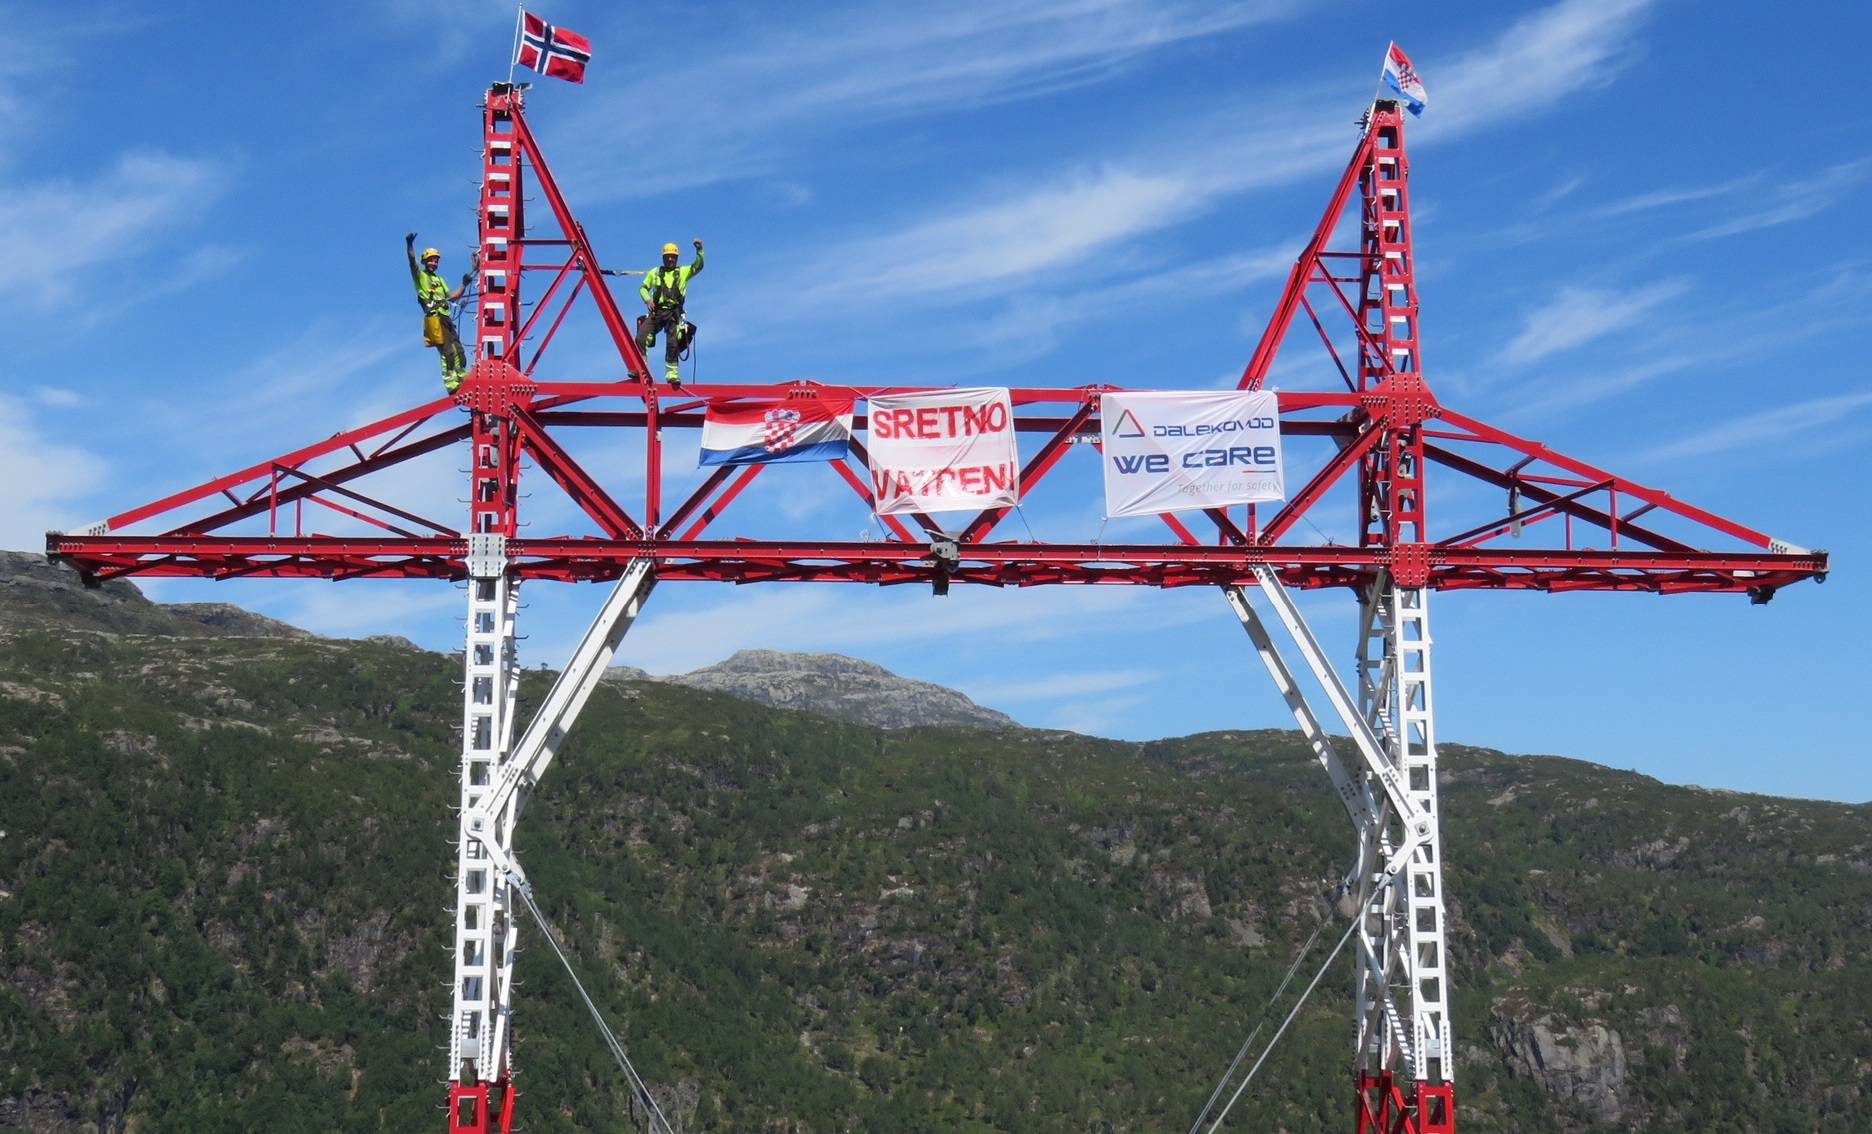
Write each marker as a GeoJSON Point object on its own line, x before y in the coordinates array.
{"type": "Point", "coordinates": [1632, 222]}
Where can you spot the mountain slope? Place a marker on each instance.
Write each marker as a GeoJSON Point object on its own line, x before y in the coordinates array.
{"type": "Point", "coordinates": [224, 877]}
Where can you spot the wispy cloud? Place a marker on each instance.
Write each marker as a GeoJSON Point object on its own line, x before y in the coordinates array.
{"type": "Point", "coordinates": [62, 229]}
{"type": "Point", "coordinates": [1071, 219]}
{"type": "Point", "coordinates": [57, 397]}
{"type": "Point", "coordinates": [1095, 717]}
{"type": "Point", "coordinates": [1586, 386]}
{"type": "Point", "coordinates": [1576, 316]}
{"type": "Point", "coordinates": [745, 106]}
{"type": "Point", "coordinates": [1080, 684]}
{"type": "Point", "coordinates": [349, 610]}
{"type": "Point", "coordinates": [450, 29]}
{"type": "Point", "coordinates": [42, 481]}
{"type": "Point", "coordinates": [988, 245]}
{"type": "Point", "coordinates": [1665, 198]}
{"type": "Point", "coordinates": [1570, 47]}
{"type": "Point", "coordinates": [1709, 336]}
{"type": "Point", "coordinates": [1764, 426]}
{"type": "Point", "coordinates": [47, 54]}
{"type": "Point", "coordinates": [1552, 196]}
{"type": "Point", "coordinates": [1794, 201]}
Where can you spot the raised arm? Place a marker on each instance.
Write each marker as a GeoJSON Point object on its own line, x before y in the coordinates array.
{"type": "Point", "coordinates": [474, 262]}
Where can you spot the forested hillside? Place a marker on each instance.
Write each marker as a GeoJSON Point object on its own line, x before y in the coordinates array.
{"type": "Point", "coordinates": [224, 879]}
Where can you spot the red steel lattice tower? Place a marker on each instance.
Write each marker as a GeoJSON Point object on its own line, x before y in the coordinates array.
{"type": "Point", "coordinates": [1568, 525]}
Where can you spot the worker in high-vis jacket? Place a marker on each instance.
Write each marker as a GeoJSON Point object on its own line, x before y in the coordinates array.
{"type": "Point", "coordinates": [665, 289]}
{"type": "Point", "coordinates": [432, 292]}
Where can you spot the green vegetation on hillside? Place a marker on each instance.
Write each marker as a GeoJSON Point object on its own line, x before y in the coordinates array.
{"type": "Point", "coordinates": [225, 875]}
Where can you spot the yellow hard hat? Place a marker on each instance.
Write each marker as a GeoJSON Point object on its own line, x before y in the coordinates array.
{"type": "Point", "coordinates": [671, 250]}
{"type": "Point", "coordinates": [432, 253]}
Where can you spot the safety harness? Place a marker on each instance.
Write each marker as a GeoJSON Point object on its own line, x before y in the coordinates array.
{"type": "Point", "coordinates": [667, 289]}
{"type": "Point", "coordinates": [432, 291]}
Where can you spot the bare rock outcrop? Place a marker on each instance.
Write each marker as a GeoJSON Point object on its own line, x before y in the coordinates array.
{"type": "Point", "coordinates": [1581, 1064]}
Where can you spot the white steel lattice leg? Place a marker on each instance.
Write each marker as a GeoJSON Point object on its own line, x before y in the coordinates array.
{"type": "Point", "coordinates": [1406, 917]}
{"type": "Point", "coordinates": [484, 921]}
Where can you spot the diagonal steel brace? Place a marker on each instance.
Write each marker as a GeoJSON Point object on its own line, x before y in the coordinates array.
{"type": "Point", "coordinates": [540, 744]}
{"type": "Point", "coordinates": [1359, 803]}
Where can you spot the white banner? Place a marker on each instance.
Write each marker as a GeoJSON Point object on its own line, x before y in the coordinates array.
{"type": "Point", "coordinates": [943, 451]}
{"type": "Point", "coordinates": [1172, 452]}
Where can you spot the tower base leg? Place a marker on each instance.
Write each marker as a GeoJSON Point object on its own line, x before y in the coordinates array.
{"type": "Point", "coordinates": [481, 1108]}
{"type": "Point", "coordinates": [1386, 1107]}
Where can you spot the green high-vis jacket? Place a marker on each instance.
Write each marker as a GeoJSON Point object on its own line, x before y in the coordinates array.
{"type": "Point", "coordinates": [432, 291]}
{"type": "Point", "coordinates": [669, 287]}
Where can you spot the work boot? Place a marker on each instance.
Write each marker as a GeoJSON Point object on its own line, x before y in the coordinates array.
{"type": "Point", "coordinates": [452, 382]}
{"type": "Point", "coordinates": [673, 375]}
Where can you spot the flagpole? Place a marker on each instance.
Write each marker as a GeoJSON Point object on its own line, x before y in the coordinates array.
{"type": "Point", "coordinates": [513, 57]}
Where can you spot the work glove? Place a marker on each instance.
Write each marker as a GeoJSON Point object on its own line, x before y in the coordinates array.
{"type": "Point", "coordinates": [409, 239]}
{"type": "Point", "coordinates": [698, 244]}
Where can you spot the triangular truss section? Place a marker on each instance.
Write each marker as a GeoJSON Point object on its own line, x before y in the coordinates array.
{"type": "Point", "coordinates": [1564, 524]}
{"type": "Point", "coordinates": [339, 509]}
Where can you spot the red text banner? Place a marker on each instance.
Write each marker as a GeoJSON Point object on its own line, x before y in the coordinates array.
{"type": "Point", "coordinates": [944, 451]}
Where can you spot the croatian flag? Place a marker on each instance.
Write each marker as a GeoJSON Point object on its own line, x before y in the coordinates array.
{"type": "Point", "coordinates": [1402, 78]}
{"type": "Point", "coordinates": [551, 51]}
{"type": "Point", "coordinates": [760, 433]}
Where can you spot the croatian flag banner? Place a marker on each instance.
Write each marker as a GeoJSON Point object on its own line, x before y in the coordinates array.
{"type": "Point", "coordinates": [766, 433]}
{"type": "Point", "coordinates": [552, 51]}
{"type": "Point", "coordinates": [1401, 76]}
{"type": "Point", "coordinates": [944, 451]}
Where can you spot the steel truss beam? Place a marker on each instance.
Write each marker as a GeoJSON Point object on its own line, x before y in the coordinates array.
{"type": "Point", "coordinates": [1564, 525]}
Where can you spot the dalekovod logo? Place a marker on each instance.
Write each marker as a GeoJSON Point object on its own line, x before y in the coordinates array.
{"type": "Point", "coordinates": [1248, 457]}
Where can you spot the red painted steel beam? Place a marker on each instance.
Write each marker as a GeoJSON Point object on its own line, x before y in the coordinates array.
{"type": "Point", "coordinates": [623, 336]}
{"type": "Point", "coordinates": [580, 486]}
{"type": "Point", "coordinates": [1265, 351]}
{"type": "Point", "coordinates": [709, 514]}
{"type": "Point", "coordinates": [997, 563]}
{"type": "Point", "coordinates": [1652, 496]}
{"type": "Point", "coordinates": [1036, 469]}
{"type": "Point", "coordinates": [295, 458]}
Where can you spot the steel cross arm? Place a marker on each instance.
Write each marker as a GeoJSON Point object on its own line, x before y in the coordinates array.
{"type": "Point", "coordinates": [1417, 825]}
{"type": "Point", "coordinates": [1651, 496]}
{"type": "Point", "coordinates": [1355, 795]}
{"type": "Point", "coordinates": [316, 556]}
{"type": "Point", "coordinates": [409, 417]}
{"type": "Point", "coordinates": [541, 741]}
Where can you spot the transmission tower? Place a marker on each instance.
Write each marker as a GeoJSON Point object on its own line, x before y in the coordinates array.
{"type": "Point", "coordinates": [1565, 525]}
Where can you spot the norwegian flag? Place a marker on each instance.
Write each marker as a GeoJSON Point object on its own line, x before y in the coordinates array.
{"type": "Point", "coordinates": [552, 51]}
{"type": "Point", "coordinates": [1401, 76]}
